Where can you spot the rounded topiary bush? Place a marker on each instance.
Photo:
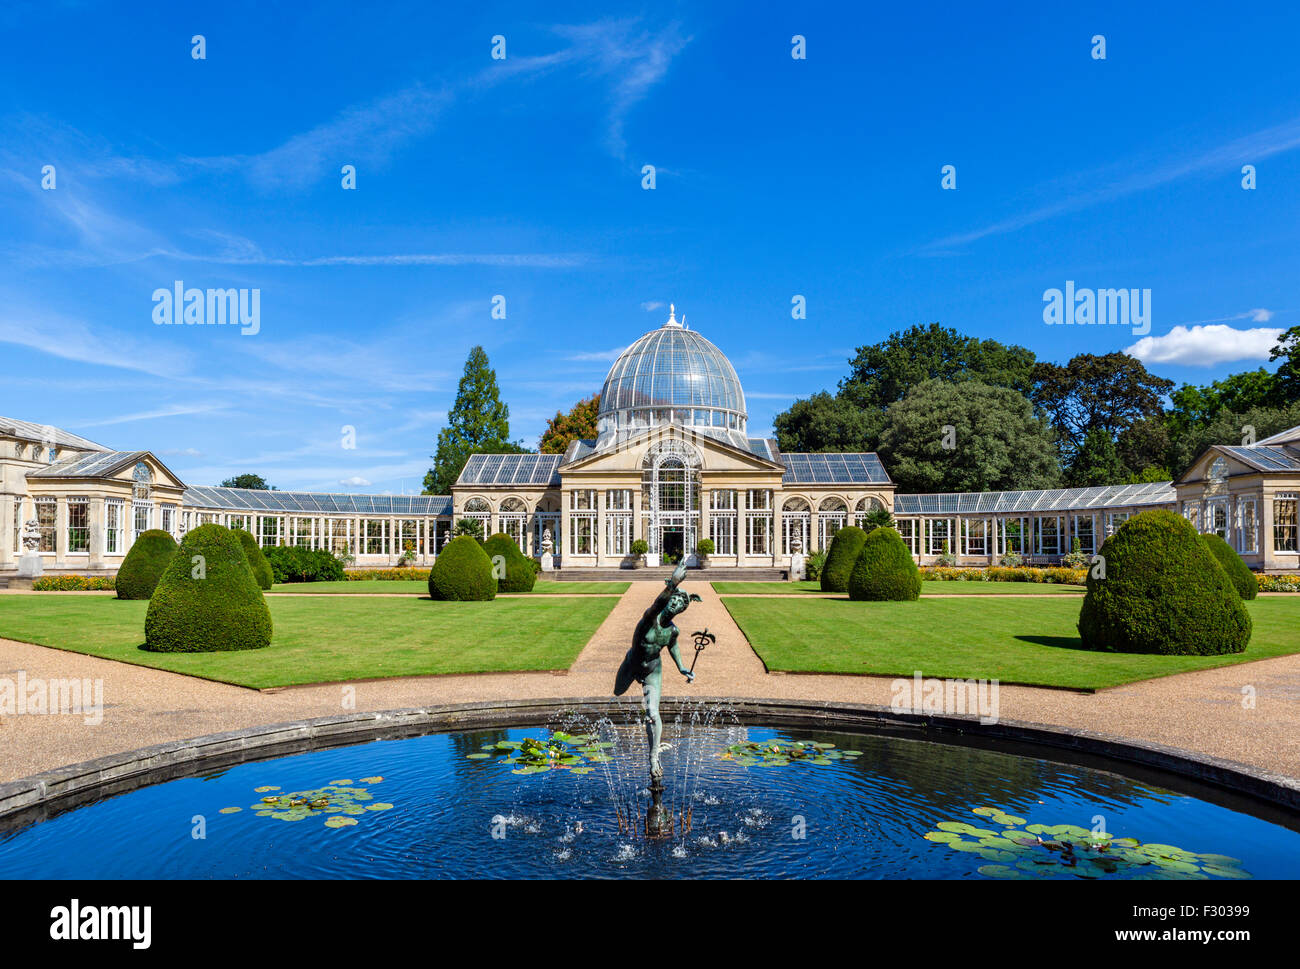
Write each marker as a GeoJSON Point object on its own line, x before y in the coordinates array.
{"type": "Point", "coordinates": [207, 600]}
{"type": "Point", "coordinates": [256, 560]}
{"type": "Point", "coordinates": [519, 574]}
{"type": "Point", "coordinates": [144, 564]}
{"type": "Point", "coordinates": [1239, 574]}
{"type": "Point", "coordinates": [1159, 589]}
{"type": "Point", "coordinates": [845, 548]}
{"type": "Point", "coordinates": [463, 572]}
{"type": "Point", "coordinates": [885, 570]}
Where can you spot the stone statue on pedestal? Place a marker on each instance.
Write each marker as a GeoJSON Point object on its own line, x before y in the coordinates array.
{"type": "Point", "coordinates": [798, 561]}
{"type": "Point", "coordinates": [29, 563]}
{"type": "Point", "coordinates": [548, 551]}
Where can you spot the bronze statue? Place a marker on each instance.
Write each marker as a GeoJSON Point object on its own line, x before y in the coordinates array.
{"type": "Point", "coordinates": [643, 663]}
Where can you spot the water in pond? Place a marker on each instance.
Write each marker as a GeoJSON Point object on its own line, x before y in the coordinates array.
{"type": "Point", "coordinates": [434, 807]}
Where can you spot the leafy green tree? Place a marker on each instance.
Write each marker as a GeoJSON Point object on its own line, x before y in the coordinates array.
{"type": "Point", "coordinates": [824, 422]}
{"type": "Point", "coordinates": [579, 424]}
{"type": "Point", "coordinates": [478, 423]}
{"type": "Point", "coordinates": [1229, 427]}
{"type": "Point", "coordinates": [1149, 475]}
{"type": "Point", "coordinates": [882, 373]}
{"type": "Point", "coordinates": [1111, 392]}
{"type": "Point", "coordinates": [254, 481]}
{"type": "Point", "coordinates": [1288, 373]}
{"type": "Point", "coordinates": [996, 442]}
{"type": "Point", "coordinates": [1096, 462]}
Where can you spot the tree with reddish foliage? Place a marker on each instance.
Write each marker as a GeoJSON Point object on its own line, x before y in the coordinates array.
{"type": "Point", "coordinates": [578, 424]}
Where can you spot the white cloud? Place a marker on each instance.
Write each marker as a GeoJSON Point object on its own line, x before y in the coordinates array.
{"type": "Point", "coordinates": [1261, 315]}
{"type": "Point", "coordinates": [354, 481]}
{"type": "Point", "coordinates": [598, 356]}
{"type": "Point", "coordinates": [1205, 346]}
{"type": "Point", "coordinates": [652, 305]}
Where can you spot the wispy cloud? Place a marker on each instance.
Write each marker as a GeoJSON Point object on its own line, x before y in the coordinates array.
{"type": "Point", "coordinates": [70, 339]}
{"type": "Point", "coordinates": [1105, 185]}
{"type": "Point", "coordinates": [174, 410]}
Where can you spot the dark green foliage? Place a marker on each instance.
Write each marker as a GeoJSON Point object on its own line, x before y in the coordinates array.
{"type": "Point", "coordinates": [472, 527]}
{"type": "Point", "coordinates": [1239, 574]}
{"type": "Point", "coordinates": [843, 554]}
{"type": "Point", "coordinates": [519, 573]}
{"type": "Point", "coordinates": [478, 423]}
{"type": "Point", "coordinates": [885, 570]}
{"type": "Point", "coordinates": [256, 560]}
{"type": "Point", "coordinates": [463, 572]}
{"type": "Point", "coordinates": [144, 564]}
{"type": "Point", "coordinates": [292, 563]}
{"type": "Point", "coordinates": [209, 605]}
{"type": "Point", "coordinates": [877, 518]}
{"type": "Point", "coordinates": [1163, 591]}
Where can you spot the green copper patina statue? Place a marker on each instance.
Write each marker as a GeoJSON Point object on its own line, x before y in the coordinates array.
{"type": "Point", "coordinates": [643, 664]}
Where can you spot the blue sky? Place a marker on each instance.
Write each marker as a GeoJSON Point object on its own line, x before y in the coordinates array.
{"type": "Point", "coordinates": [522, 177]}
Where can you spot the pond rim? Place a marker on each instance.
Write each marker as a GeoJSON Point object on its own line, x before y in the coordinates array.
{"type": "Point", "coordinates": [1239, 787]}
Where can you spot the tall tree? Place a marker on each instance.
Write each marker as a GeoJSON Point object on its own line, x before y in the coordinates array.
{"type": "Point", "coordinates": [479, 422]}
{"type": "Point", "coordinates": [254, 481]}
{"type": "Point", "coordinates": [1190, 406]}
{"type": "Point", "coordinates": [1288, 373]}
{"type": "Point", "coordinates": [1095, 462]}
{"type": "Point", "coordinates": [884, 372]}
{"type": "Point", "coordinates": [1110, 392]}
{"type": "Point", "coordinates": [967, 436]}
{"type": "Point", "coordinates": [1228, 427]}
{"type": "Point", "coordinates": [579, 424]}
{"type": "Point", "coordinates": [826, 423]}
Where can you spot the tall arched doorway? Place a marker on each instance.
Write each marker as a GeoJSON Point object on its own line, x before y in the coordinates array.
{"type": "Point", "coordinates": [670, 479]}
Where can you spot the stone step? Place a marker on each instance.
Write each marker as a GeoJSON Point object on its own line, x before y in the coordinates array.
{"type": "Point", "coordinates": [659, 574]}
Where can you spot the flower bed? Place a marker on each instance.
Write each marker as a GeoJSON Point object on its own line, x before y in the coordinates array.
{"type": "Point", "coordinates": [75, 583]}
{"type": "Point", "coordinates": [1001, 573]}
{"type": "Point", "coordinates": [1278, 583]}
{"type": "Point", "coordinates": [385, 575]}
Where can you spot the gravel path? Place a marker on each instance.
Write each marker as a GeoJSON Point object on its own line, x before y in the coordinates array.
{"type": "Point", "coordinates": [1201, 712]}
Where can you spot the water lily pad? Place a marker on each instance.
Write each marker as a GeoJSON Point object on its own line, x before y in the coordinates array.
{"type": "Point", "coordinates": [379, 806]}
{"type": "Point", "coordinates": [231, 810]}
{"type": "Point", "coordinates": [339, 822]}
{"type": "Point", "coordinates": [476, 756]}
{"type": "Point", "coordinates": [371, 780]}
{"type": "Point", "coordinates": [1225, 871]}
{"type": "Point", "coordinates": [264, 789]}
{"type": "Point", "coordinates": [346, 780]}
{"type": "Point", "coordinates": [1002, 871]}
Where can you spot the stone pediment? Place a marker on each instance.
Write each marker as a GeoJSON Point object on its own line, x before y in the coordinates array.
{"type": "Point", "coordinates": [629, 454]}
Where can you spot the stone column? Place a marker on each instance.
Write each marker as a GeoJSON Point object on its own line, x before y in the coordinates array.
{"type": "Point", "coordinates": [706, 496]}
{"type": "Point", "coordinates": [8, 509]}
{"type": "Point", "coordinates": [638, 521]}
{"type": "Point", "coordinates": [598, 540]}
{"type": "Point", "coordinates": [742, 507]}
{"type": "Point", "coordinates": [96, 521]}
{"type": "Point", "coordinates": [61, 533]}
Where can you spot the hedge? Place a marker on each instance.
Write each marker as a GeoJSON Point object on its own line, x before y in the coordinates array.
{"type": "Point", "coordinates": [1243, 580]}
{"type": "Point", "coordinates": [292, 563]}
{"type": "Point", "coordinates": [519, 573]}
{"type": "Point", "coordinates": [385, 575]}
{"type": "Point", "coordinates": [256, 560]}
{"type": "Point", "coordinates": [207, 600]}
{"type": "Point", "coordinates": [1004, 573]}
{"type": "Point", "coordinates": [144, 564]}
{"type": "Point", "coordinates": [845, 548]}
{"type": "Point", "coordinates": [885, 570]}
{"type": "Point", "coordinates": [1159, 589]}
{"type": "Point", "coordinates": [463, 572]}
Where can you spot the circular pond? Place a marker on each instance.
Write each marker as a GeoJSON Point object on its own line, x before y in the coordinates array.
{"type": "Point", "coordinates": [746, 802]}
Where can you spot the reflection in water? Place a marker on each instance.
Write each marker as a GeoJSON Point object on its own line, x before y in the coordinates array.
{"type": "Point", "coordinates": [458, 816]}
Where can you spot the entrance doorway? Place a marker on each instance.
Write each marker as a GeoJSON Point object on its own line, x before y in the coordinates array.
{"type": "Point", "coordinates": [671, 543]}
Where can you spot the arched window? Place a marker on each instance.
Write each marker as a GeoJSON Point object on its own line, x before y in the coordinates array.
{"type": "Point", "coordinates": [477, 506]}
{"type": "Point", "coordinates": [141, 482]}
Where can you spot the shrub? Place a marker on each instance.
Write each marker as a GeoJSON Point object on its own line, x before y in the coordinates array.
{"type": "Point", "coordinates": [210, 605]}
{"type": "Point", "coordinates": [292, 563]}
{"type": "Point", "coordinates": [884, 570]}
{"type": "Point", "coordinates": [463, 572]}
{"type": "Point", "coordinates": [639, 546]}
{"type": "Point", "coordinates": [877, 518]}
{"type": "Point", "coordinates": [1239, 574]}
{"type": "Point", "coordinates": [946, 557]}
{"type": "Point", "coordinates": [1075, 559]}
{"type": "Point", "coordinates": [518, 572]}
{"type": "Point", "coordinates": [256, 560]}
{"type": "Point", "coordinates": [1278, 583]}
{"type": "Point", "coordinates": [1011, 560]}
{"type": "Point", "coordinates": [1162, 591]}
{"type": "Point", "coordinates": [473, 527]}
{"type": "Point", "coordinates": [704, 547]}
{"type": "Point", "coordinates": [74, 583]}
{"type": "Point", "coordinates": [846, 546]}
{"type": "Point", "coordinates": [813, 566]}
{"type": "Point", "coordinates": [144, 564]}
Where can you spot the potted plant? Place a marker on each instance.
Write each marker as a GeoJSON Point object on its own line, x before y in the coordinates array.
{"type": "Point", "coordinates": [639, 548]}
{"type": "Point", "coordinates": [703, 549]}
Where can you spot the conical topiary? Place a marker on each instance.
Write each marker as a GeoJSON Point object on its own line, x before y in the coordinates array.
{"type": "Point", "coordinates": [256, 560]}
{"type": "Point", "coordinates": [1157, 588]}
{"type": "Point", "coordinates": [1243, 580]}
{"type": "Point", "coordinates": [144, 564]}
{"type": "Point", "coordinates": [207, 600]}
{"type": "Point", "coordinates": [845, 548]}
{"type": "Point", "coordinates": [463, 572]}
{"type": "Point", "coordinates": [885, 570]}
{"type": "Point", "coordinates": [514, 570]}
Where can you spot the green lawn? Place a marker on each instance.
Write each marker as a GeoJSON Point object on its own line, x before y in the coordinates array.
{"type": "Point", "coordinates": [421, 587]}
{"type": "Point", "coordinates": [325, 640]}
{"type": "Point", "coordinates": [1029, 640]}
{"type": "Point", "coordinates": [928, 588]}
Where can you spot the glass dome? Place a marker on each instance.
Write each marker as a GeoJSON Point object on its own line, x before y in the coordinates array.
{"type": "Point", "coordinates": [672, 375]}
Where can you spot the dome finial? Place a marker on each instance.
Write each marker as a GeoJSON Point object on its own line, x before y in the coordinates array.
{"type": "Point", "coordinates": [672, 315]}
